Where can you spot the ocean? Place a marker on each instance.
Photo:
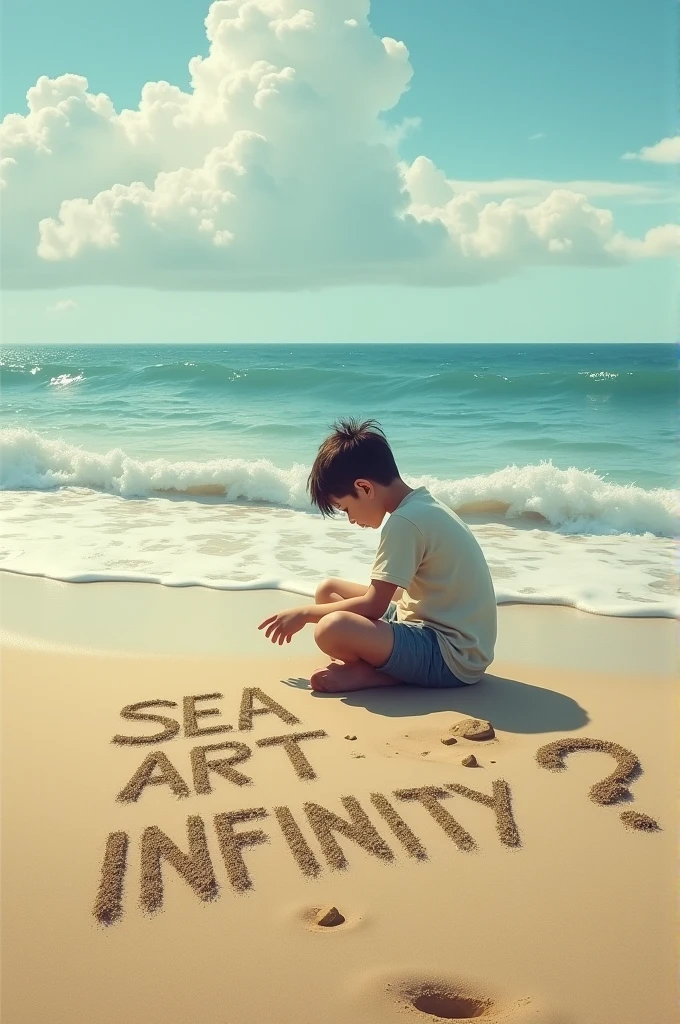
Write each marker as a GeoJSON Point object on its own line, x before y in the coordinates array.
{"type": "Point", "coordinates": [187, 464]}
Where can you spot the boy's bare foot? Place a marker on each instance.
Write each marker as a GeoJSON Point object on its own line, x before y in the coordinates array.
{"type": "Point", "coordinates": [340, 678]}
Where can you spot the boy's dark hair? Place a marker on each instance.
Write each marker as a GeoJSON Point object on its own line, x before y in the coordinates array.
{"type": "Point", "coordinates": [352, 452]}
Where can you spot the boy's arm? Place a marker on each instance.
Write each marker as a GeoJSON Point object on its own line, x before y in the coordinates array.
{"type": "Point", "coordinates": [399, 554]}
{"type": "Point", "coordinates": [372, 605]}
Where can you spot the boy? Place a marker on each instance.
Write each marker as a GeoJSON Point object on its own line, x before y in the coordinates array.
{"type": "Point", "coordinates": [442, 629]}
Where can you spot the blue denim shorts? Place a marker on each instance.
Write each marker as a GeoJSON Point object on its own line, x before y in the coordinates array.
{"type": "Point", "coordinates": [416, 656]}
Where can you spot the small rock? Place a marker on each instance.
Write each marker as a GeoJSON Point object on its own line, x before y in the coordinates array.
{"type": "Point", "coordinates": [424, 753]}
{"type": "Point", "coordinates": [348, 737]}
{"type": "Point", "coordinates": [329, 917]}
{"type": "Point", "coordinates": [474, 729]}
{"type": "Point", "coordinates": [470, 761]}
{"type": "Point", "coordinates": [448, 740]}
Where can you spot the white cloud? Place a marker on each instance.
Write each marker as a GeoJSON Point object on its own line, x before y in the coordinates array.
{"type": "Point", "coordinates": [534, 190]}
{"type": "Point", "coordinates": [661, 241]}
{"type": "Point", "coordinates": [536, 136]}
{"type": "Point", "coordinates": [276, 170]}
{"type": "Point", "coordinates": [63, 306]}
{"type": "Point", "coordinates": [667, 151]}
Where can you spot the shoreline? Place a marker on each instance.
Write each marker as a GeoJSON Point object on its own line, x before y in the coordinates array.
{"type": "Point", "coordinates": [120, 618]}
{"type": "Point", "coordinates": [622, 610]}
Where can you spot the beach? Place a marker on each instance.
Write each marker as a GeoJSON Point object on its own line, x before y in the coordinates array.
{"type": "Point", "coordinates": [189, 832]}
{"type": "Point", "coordinates": [542, 906]}
{"type": "Point", "coordinates": [349, 297]}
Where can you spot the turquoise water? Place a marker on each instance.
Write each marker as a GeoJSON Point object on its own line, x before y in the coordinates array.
{"type": "Point", "coordinates": [188, 464]}
{"type": "Point", "coordinates": [449, 410]}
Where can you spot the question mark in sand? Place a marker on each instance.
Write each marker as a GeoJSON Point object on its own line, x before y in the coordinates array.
{"type": "Point", "coordinates": [614, 787]}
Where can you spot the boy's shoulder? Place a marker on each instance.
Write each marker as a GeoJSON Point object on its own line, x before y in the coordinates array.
{"type": "Point", "coordinates": [427, 513]}
{"type": "Point", "coordinates": [422, 502]}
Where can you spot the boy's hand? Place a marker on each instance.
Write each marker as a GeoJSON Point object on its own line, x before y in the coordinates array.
{"type": "Point", "coordinates": [282, 626]}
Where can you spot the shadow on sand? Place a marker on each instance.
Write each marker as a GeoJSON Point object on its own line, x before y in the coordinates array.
{"type": "Point", "coordinates": [509, 704]}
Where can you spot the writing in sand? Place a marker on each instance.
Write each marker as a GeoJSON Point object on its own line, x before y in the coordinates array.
{"type": "Point", "coordinates": [210, 760]}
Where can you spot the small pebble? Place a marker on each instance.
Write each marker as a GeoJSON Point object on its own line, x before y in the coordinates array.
{"type": "Point", "coordinates": [470, 761]}
{"type": "Point", "coordinates": [348, 737]}
{"type": "Point", "coordinates": [329, 917]}
{"type": "Point", "coordinates": [448, 740]}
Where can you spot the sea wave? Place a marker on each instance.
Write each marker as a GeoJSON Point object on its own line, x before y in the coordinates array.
{"type": "Point", "coordinates": [573, 500]}
{"type": "Point", "coordinates": [296, 379]}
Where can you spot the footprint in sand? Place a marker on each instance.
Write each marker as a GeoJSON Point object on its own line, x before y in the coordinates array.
{"type": "Point", "coordinates": [443, 1000]}
{"type": "Point", "coordinates": [450, 1006]}
{"type": "Point", "coordinates": [428, 998]}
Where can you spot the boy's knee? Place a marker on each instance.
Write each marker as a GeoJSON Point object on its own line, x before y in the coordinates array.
{"type": "Point", "coordinates": [322, 594]}
{"type": "Point", "coordinates": [329, 629]}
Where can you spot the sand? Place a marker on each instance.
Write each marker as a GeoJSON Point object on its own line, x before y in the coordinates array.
{"type": "Point", "coordinates": [179, 812]}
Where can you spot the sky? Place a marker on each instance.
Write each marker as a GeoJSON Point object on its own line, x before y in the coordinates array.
{"type": "Point", "coordinates": [440, 170]}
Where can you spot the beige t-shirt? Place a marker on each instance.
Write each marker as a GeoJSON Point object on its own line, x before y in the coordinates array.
{"type": "Point", "coordinates": [426, 549]}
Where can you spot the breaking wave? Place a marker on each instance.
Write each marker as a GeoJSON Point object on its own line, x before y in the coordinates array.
{"type": "Point", "coordinates": [573, 500]}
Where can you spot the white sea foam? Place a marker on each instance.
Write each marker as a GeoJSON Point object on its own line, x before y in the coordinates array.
{"type": "Point", "coordinates": [573, 500]}
{"type": "Point", "coordinates": [77, 534]}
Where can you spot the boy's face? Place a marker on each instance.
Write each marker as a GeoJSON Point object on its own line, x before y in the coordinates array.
{"type": "Point", "coordinates": [365, 510]}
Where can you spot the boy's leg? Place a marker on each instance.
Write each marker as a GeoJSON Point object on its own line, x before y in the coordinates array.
{"type": "Point", "coordinates": [357, 675]}
{"type": "Point", "coordinates": [335, 589]}
{"type": "Point", "coordinates": [360, 644]}
{"type": "Point", "coordinates": [352, 637]}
